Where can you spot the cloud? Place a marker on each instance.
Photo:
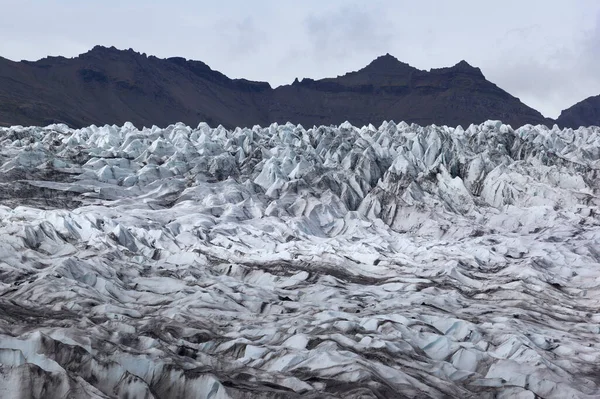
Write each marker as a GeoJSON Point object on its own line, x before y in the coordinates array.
{"type": "Point", "coordinates": [240, 38]}
{"type": "Point", "coordinates": [348, 31]}
{"type": "Point", "coordinates": [544, 57]}
{"type": "Point", "coordinates": [554, 78]}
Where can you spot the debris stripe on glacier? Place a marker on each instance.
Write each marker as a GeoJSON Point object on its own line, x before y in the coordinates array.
{"type": "Point", "coordinates": [333, 260]}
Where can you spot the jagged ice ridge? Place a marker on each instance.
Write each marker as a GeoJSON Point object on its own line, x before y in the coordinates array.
{"type": "Point", "coordinates": [399, 261]}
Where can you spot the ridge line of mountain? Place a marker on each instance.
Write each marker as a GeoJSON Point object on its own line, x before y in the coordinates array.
{"type": "Point", "coordinates": [106, 85]}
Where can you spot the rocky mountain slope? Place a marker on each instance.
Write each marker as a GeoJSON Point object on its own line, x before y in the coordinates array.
{"type": "Point", "coordinates": [110, 86]}
{"type": "Point", "coordinates": [584, 113]}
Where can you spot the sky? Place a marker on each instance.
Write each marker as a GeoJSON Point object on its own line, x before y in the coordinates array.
{"type": "Point", "coordinates": [545, 52]}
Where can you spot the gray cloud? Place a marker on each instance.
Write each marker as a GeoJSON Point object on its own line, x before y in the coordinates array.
{"type": "Point", "coordinates": [545, 54]}
{"type": "Point", "coordinates": [347, 31]}
{"type": "Point", "coordinates": [551, 82]}
{"type": "Point", "coordinates": [240, 38]}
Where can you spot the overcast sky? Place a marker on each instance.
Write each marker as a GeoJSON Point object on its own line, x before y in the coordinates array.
{"type": "Point", "coordinates": [546, 52]}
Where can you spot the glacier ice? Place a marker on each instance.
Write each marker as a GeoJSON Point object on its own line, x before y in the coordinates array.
{"type": "Point", "coordinates": [281, 262]}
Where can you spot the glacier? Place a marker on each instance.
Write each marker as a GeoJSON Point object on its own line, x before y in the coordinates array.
{"type": "Point", "coordinates": [281, 262]}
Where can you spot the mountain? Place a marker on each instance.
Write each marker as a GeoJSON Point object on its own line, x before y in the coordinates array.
{"type": "Point", "coordinates": [106, 85]}
{"type": "Point", "coordinates": [584, 113]}
{"type": "Point", "coordinates": [111, 86]}
{"type": "Point", "coordinates": [389, 89]}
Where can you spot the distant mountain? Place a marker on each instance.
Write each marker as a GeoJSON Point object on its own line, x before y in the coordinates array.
{"type": "Point", "coordinates": [111, 86]}
{"type": "Point", "coordinates": [584, 113]}
{"type": "Point", "coordinates": [106, 85]}
{"type": "Point", "coordinates": [388, 89]}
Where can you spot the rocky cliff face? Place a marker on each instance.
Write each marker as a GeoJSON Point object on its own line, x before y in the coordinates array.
{"type": "Point", "coordinates": [110, 86]}
{"type": "Point", "coordinates": [584, 113]}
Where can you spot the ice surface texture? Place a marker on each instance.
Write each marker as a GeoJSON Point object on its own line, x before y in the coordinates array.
{"type": "Point", "coordinates": [399, 261]}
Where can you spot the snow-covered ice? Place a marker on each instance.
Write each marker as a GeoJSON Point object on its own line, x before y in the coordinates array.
{"type": "Point", "coordinates": [282, 262]}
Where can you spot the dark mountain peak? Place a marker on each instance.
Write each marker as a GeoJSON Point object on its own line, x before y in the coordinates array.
{"type": "Point", "coordinates": [111, 52]}
{"type": "Point", "coordinates": [462, 64]}
{"type": "Point", "coordinates": [386, 59]}
{"type": "Point", "coordinates": [389, 65]}
{"type": "Point", "coordinates": [462, 67]}
{"type": "Point", "coordinates": [146, 68]}
{"type": "Point", "coordinates": [100, 48]}
{"type": "Point", "coordinates": [384, 70]}
{"type": "Point", "coordinates": [111, 49]}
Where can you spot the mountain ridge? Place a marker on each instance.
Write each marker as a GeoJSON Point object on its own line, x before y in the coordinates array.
{"type": "Point", "coordinates": [583, 113]}
{"type": "Point", "coordinates": [106, 85]}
